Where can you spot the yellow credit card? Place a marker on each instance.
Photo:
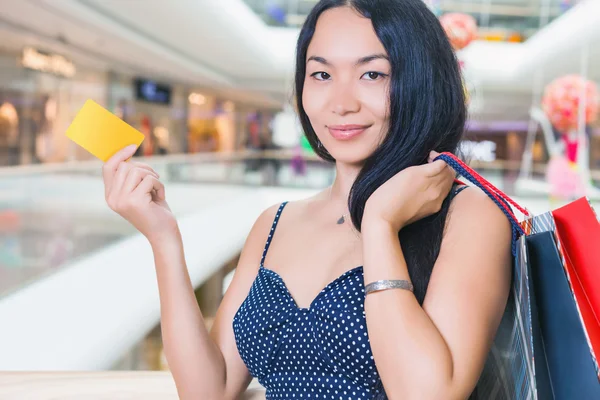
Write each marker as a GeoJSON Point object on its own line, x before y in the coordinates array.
{"type": "Point", "coordinates": [101, 132]}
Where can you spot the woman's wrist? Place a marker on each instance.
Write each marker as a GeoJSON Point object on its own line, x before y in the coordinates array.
{"type": "Point", "coordinates": [166, 241]}
{"type": "Point", "coordinates": [372, 223]}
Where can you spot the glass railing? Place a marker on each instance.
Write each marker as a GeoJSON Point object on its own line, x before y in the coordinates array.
{"type": "Point", "coordinates": [52, 215]}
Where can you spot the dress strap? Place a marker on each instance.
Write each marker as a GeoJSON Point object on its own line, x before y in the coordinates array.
{"type": "Point", "coordinates": [459, 188]}
{"type": "Point", "coordinates": [272, 232]}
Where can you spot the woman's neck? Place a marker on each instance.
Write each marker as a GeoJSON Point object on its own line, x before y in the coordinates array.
{"type": "Point", "coordinates": [340, 190]}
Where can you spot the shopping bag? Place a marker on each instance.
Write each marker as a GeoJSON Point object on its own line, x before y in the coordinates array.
{"type": "Point", "coordinates": [522, 364]}
{"type": "Point", "coordinates": [566, 353]}
{"type": "Point", "coordinates": [577, 234]}
{"type": "Point", "coordinates": [578, 229]}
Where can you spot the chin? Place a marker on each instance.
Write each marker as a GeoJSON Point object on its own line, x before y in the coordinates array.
{"type": "Point", "coordinates": [352, 155]}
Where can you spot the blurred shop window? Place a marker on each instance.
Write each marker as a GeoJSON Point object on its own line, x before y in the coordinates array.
{"type": "Point", "coordinates": [147, 147]}
{"type": "Point", "coordinates": [203, 136]}
{"type": "Point", "coordinates": [286, 128]}
{"type": "Point", "coordinates": [225, 124]}
{"type": "Point", "coordinates": [9, 130]}
{"type": "Point", "coordinates": [254, 139]}
{"type": "Point", "coordinates": [162, 139]}
{"type": "Point", "coordinates": [45, 148]}
{"type": "Point", "coordinates": [123, 110]}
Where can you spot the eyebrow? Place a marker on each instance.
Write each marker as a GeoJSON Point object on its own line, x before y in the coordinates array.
{"type": "Point", "coordinates": [361, 61]}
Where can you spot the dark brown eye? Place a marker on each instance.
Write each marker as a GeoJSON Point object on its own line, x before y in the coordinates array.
{"type": "Point", "coordinates": [372, 75]}
{"type": "Point", "coordinates": [321, 76]}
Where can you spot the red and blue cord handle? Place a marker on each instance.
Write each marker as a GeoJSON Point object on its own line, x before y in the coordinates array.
{"type": "Point", "coordinates": [500, 198]}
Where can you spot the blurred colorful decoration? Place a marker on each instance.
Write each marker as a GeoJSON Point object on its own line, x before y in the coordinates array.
{"type": "Point", "coordinates": [501, 35]}
{"type": "Point", "coordinates": [306, 145]}
{"type": "Point", "coordinates": [10, 221]}
{"type": "Point", "coordinates": [562, 98]}
{"type": "Point", "coordinates": [10, 248]}
{"type": "Point", "coordinates": [11, 252]}
{"type": "Point", "coordinates": [561, 103]}
{"type": "Point", "coordinates": [565, 5]}
{"type": "Point", "coordinates": [147, 147]}
{"type": "Point", "coordinates": [460, 28]}
{"type": "Point", "coordinates": [298, 162]}
{"type": "Point", "coordinates": [571, 143]}
{"type": "Point", "coordinates": [564, 178]}
{"type": "Point", "coordinates": [276, 13]}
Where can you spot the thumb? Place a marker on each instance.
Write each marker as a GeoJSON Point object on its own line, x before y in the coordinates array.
{"type": "Point", "coordinates": [432, 155]}
{"type": "Point", "coordinates": [122, 155]}
{"type": "Point", "coordinates": [435, 168]}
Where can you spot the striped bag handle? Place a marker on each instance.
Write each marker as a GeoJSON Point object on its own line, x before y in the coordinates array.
{"type": "Point", "coordinates": [501, 199]}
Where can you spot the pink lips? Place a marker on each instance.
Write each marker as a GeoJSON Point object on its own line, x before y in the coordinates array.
{"type": "Point", "coordinates": [345, 132]}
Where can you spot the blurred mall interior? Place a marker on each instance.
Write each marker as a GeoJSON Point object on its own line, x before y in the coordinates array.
{"type": "Point", "coordinates": [209, 84]}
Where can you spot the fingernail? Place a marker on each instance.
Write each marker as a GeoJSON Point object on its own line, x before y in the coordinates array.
{"type": "Point", "coordinates": [131, 147]}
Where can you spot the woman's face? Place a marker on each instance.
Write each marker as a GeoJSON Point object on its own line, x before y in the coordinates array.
{"type": "Point", "coordinates": [346, 87]}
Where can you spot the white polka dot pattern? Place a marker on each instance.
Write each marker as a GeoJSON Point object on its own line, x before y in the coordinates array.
{"type": "Point", "coordinates": [319, 352]}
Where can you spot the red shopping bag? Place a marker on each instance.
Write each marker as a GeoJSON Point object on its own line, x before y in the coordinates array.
{"type": "Point", "coordinates": [578, 230]}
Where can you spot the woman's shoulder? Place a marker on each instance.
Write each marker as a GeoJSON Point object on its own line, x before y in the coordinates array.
{"type": "Point", "coordinates": [265, 219]}
{"type": "Point", "coordinates": [473, 200]}
{"type": "Point", "coordinates": [297, 208]}
{"type": "Point", "coordinates": [473, 213]}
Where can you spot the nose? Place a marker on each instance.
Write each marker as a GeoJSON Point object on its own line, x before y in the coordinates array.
{"type": "Point", "coordinates": [344, 100]}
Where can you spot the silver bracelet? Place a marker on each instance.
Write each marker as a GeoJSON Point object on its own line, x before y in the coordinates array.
{"type": "Point", "coordinates": [388, 284]}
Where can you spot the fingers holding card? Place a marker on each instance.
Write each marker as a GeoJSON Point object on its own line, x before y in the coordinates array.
{"type": "Point", "coordinates": [101, 132]}
{"type": "Point", "coordinates": [131, 189]}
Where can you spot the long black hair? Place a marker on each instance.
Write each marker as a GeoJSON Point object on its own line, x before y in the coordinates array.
{"type": "Point", "coordinates": [427, 111]}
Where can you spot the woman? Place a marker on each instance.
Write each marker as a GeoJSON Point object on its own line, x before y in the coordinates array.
{"type": "Point", "coordinates": [378, 89]}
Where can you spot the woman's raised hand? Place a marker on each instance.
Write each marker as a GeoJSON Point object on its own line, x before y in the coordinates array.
{"type": "Point", "coordinates": [134, 192]}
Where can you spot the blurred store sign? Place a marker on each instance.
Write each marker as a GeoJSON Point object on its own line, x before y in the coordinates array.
{"type": "Point", "coordinates": [47, 62]}
{"type": "Point", "coordinates": [480, 151]}
{"type": "Point", "coordinates": [152, 92]}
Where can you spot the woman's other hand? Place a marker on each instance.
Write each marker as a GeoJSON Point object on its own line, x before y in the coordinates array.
{"type": "Point", "coordinates": [410, 195]}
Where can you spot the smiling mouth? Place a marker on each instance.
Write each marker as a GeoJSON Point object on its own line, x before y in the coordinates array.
{"type": "Point", "coordinates": [345, 132]}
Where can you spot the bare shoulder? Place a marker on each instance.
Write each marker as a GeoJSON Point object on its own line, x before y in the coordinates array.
{"type": "Point", "coordinates": [252, 251]}
{"type": "Point", "coordinates": [473, 213]}
{"type": "Point", "coordinates": [255, 242]}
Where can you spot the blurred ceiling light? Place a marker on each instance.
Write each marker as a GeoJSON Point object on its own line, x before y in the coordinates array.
{"type": "Point", "coordinates": [197, 98]}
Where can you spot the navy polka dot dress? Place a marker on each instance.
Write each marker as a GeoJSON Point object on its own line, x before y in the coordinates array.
{"type": "Point", "coordinates": [319, 352]}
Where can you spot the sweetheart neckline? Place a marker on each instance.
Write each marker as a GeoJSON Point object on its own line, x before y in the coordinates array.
{"type": "Point", "coordinates": [343, 275]}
